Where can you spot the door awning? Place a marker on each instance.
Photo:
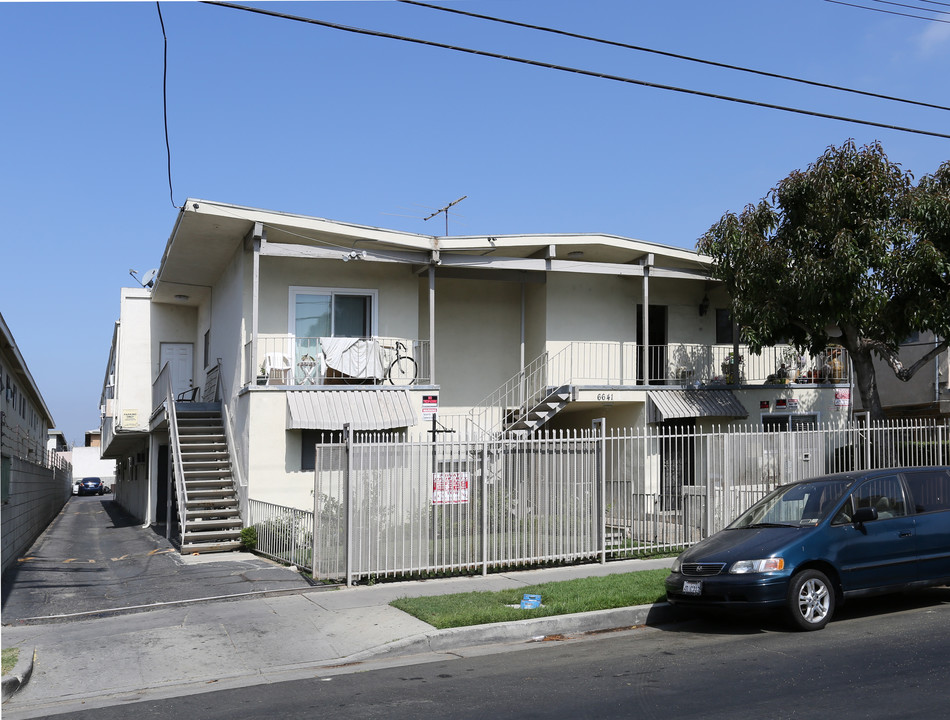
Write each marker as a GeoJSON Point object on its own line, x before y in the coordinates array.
{"type": "Point", "coordinates": [362, 409]}
{"type": "Point", "coordinates": [672, 404]}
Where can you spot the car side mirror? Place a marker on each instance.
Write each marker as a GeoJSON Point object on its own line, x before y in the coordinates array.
{"type": "Point", "coordinates": [865, 514]}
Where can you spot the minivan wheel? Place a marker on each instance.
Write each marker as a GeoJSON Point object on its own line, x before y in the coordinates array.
{"type": "Point", "coordinates": [811, 600]}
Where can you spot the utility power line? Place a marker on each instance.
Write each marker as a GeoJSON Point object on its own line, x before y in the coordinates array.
{"type": "Point", "coordinates": [168, 147]}
{"type": "Point", "coordinates": [890, 12]}
{"type": "Point", "coordinates": [677, 56]}
{"type": "Point", "coordinates": [568, 69]}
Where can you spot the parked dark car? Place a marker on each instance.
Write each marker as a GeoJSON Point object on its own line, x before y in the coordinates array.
{"type": "Point", "coordinates": [809, 546]}
{"type": "Point", "coordinates": [91, 486]}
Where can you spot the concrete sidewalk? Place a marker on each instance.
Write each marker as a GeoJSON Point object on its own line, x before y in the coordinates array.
{"type": "Point", "coordinates": [197, 646]}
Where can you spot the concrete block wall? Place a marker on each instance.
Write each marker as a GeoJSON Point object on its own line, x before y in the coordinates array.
{"type": "Point", "coordinates": [37, 494]}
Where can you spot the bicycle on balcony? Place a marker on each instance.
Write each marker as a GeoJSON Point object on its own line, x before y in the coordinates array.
{"type": "Point", "coordinates": [403, 369]}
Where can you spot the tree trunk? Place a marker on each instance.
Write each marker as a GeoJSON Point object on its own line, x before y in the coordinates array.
{"type": "Point", "coordinates": [865, 377]}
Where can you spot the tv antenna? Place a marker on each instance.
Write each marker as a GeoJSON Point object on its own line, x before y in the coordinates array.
{"type": "Point", "coordinates": [446, 211]}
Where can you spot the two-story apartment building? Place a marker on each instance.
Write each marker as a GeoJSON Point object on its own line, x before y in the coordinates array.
{"type": "Point", "coordinates": [262, 331]}
{"type": "Point", "coordinates": [34, 476]}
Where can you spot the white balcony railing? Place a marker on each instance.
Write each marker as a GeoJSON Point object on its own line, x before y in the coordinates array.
{"type": "Point", "coordinates": [311, 361]}
{"type": "Point", "coordinates": [619, 364]}
{"type": "Point", "coordinates": [684, 363]}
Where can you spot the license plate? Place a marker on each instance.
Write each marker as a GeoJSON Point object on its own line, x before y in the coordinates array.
{"type": "Point", "coordinates": [692, 587]}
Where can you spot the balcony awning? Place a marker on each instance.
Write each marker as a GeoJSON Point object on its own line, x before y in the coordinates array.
{"type": "Point", "coordinates": [363, 409]}
{"type": "Point", "coordinates": [672, 404]}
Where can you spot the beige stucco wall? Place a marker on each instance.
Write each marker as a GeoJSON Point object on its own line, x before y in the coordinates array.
{"type": "Point", "coordinates": [133, 382]}
{"type": "Point", "coordinates": [229, 310]}
{"type": "Point", "coordinates": [478, 339]}
{"type": "Point", "coordinates": [591, 307]}
{"type": "Point", "coordinates": [398, 287]}
{"type": "Point", "coordinates": [274, 452]}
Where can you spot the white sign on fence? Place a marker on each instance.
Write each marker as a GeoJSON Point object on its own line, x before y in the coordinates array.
{"type": "Point", "coordinates": [449, 488]}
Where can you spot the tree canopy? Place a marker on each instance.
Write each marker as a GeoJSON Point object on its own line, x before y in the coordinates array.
{"type": "Point", "coordinates": [849, 251]}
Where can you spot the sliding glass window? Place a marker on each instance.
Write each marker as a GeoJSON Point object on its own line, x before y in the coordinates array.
{"type": "Point", "coordinates": [324, 312]}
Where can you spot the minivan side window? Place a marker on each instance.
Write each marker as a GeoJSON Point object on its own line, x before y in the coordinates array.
{"type": "Point", "coordinates": [884, 494]}
{"type": "Point", "coordinates": [930, 490]}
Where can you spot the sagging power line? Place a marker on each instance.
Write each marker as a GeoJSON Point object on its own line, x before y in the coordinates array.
{"type": "Point", "coordinates": [574, 70]}
{"type": "Point", "coordinates": [677, 56]}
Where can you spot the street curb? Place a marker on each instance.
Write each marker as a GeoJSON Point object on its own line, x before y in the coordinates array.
{"type": "Point", "coordinates": [529, 630]}
{"type": "Point", "coordinates": [20, 675]}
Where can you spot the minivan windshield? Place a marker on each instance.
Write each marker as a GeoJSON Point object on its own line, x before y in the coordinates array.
{"type": "Point", "coordinates": [800, 505]}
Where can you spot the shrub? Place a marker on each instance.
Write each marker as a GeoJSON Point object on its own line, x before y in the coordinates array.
{"type": "Point", "coordinates": [249, 538]}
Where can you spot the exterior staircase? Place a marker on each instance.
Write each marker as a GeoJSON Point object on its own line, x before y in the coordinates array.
{"type": "Point", "coordinates": [212, 520]}
{"type": "Point", "coordinates": [539, 412]}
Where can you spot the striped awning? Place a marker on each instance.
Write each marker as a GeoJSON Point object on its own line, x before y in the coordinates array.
{"type": "Point", "coordinates": [672, 404]}
{"type": "Point", "coordinates": [363, 409]}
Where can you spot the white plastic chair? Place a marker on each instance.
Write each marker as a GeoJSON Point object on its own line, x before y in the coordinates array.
{"type": "Point", "coordinates": [276, 368]}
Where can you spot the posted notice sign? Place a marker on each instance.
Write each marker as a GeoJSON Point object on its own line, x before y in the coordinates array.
{"type": "Point", "coordinates": [430, 406]}
{"type": "Point", "coordinates": [449, 488]}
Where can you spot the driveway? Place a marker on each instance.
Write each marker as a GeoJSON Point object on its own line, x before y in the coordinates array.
{"type": "Point", "coordinates": [94, 557]}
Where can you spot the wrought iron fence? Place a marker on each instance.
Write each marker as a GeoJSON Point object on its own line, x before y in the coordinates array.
{"type": "Point", "coordinates": [397, 507]}
{"type": "Point", "coordinates": [284, 534]}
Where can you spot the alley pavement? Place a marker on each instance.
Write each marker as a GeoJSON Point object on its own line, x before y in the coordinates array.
{"type": "Point", "coordinates": [106, 612]}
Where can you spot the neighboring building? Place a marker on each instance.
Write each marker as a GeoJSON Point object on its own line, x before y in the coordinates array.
{"type": "Point", "coordinates": [56, 442]}
{"type": "Point", "coordinates": [88, 462]}
{"type": "Point", "coordinates": [34, 479]}
{"type": "Point", "coordinates": [927, 393]}
{"type": "Point", "coordinates": [273, 330]}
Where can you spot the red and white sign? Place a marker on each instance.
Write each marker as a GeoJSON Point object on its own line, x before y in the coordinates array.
{"type": "Point", "coordinates": [449, 488]}
{"type": "Point", "coordinates": [430, 406]}
{"type": "Point", "coordinates": [842, 398]}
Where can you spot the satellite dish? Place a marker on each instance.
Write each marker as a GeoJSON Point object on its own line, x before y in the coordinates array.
{"type": "Point", "coordinates": [148, 279]}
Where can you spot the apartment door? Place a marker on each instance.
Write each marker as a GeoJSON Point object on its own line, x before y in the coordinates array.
{"type": "Point", "coordinates": [655, 346]}
{"type": "Point", "coordinates": [180, 358]}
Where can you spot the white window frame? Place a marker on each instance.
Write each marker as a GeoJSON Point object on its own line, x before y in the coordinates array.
{"type": "Point", "coordinates": [296, 290]}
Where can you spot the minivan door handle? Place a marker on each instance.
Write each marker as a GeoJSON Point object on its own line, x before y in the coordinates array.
{"type": "Point", "coordinates": [905, 533]}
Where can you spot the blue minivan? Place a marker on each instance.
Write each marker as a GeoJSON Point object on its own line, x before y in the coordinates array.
{"type": "Point", "coordinates": [809, 546]}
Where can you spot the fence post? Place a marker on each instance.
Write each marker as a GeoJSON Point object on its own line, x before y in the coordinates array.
{"type": "Point", "coordinates": [483, 491]}
{"type": "Point", "coordinates": [940, 429]}
{"type": "Point", "coordinates": [348, 494]}
{"type": "Point", "coordinates": [599, 426]}
{"type": "Point", "coordinates": [315, 523]}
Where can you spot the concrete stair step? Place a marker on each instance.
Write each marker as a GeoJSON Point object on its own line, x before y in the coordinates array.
{"type": "Point", "coordinates": [199, 547]}
{"type": "Point", "coordinates": [215, 534]}
{"type": "Point", "coordinates": [206, 512]}
{"type": "Point", "coordinates": [211, 504]}
{"type": "Point", "coordinates": [210, 524]}
{"type": "Point", "coordinates": [222, 486]}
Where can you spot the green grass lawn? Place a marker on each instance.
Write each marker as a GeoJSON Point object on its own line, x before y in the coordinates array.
{"type": "Point", "coordinates": [557, 598]}
{"type": "Point", "coordinates": [10, 656]}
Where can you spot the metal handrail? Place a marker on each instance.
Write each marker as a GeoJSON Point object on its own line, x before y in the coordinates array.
{"type": "Point", "coordinates": [176, 457]}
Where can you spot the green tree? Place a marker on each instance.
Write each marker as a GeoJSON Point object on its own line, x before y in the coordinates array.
{"type": "Point", "coordinates": [848, 251]}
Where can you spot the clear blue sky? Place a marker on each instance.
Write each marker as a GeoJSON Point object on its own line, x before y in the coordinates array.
{"type": "Point", "coordinates": [279, 115]}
